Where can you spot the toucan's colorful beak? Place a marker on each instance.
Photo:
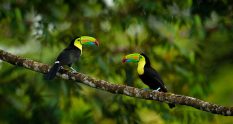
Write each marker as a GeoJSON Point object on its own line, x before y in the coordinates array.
{"type": "Point", "coordinates": [123, 59]}
{"type": "Point", "coordinates": [131, 58]}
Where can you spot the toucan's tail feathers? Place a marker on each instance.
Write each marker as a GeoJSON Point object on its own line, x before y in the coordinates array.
{"type": "Point", "coordinates": [171, 105]}
{"type": "Point", "coordinates": [52, 72]}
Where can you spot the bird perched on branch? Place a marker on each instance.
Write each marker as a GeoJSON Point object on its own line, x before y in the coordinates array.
{"type": "Point", "coordinates": [70, 54]}
{"type": "Point", "coordinates": [146, 73]}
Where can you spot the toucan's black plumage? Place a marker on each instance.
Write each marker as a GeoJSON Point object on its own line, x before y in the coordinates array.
{"type": "Point", "coordinates": [146, 73]}
{"type": "Point", "coordinates": [70, 54]}
{"type": "Point", "coordinates": [67, 57]}
{"type": "Point", "coordinates": [151, 78]}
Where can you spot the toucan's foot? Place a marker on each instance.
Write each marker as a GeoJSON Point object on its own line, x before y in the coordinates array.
{"type": "Point", "coordinates": [155, 91]}
{"type": "Point", "coordinates": [158, 89]}
{"type": "Point", "coordinates": [146, 89]}
{"type": "Point", "coordinates": [73, 70]}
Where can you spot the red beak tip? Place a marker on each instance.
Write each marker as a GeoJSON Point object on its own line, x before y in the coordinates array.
{"type": "Point", "coordinates": [123, 60]}
{"type": "Point", "coordinates": [97, 43]}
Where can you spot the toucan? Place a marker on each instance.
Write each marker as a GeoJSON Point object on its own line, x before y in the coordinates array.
{"type": "Point", "coordinates": [70, 54]}
{"type": "Point", "coordinates": [146, 73]}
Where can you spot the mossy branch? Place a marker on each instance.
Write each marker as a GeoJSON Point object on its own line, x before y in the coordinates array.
{"type": "Point", "coordinates": [119, 89]}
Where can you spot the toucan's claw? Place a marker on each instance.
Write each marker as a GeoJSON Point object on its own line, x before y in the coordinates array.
{"type": "Point", "coordinates": [73, 70]}
{"type": "Point", "coordinates": [155, 91]}
{"type": "Point", "coordinates": [158, 89]}
{"type": "Point", "coordinates": [146, 89]}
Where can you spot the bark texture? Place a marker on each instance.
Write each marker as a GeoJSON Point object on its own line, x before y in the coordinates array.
{"type": "Point", "coordinates": [119, 89]}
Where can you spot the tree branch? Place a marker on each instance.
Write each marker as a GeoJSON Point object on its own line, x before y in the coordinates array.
{"type": "Point", "coordinates": [119, 89]}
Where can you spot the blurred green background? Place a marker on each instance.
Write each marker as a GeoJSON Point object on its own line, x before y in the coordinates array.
{"type": "Point", "coordinates": [189, 42]}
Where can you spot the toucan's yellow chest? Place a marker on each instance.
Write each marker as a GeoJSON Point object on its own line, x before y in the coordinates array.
{"type": "Point", "coordinates": [78, 45]}
{"type": "Point", "coordinates": [141, 65]}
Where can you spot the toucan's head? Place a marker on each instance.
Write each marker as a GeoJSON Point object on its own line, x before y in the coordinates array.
{"type": "Point", "coordinates": [86, 41]}
{"type": "Point", "coordinates": [135, 58]}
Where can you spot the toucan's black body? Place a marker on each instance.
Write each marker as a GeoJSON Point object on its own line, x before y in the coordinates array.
{"type": "Point", "coordinates": [151, 78]}
{"type": "Point", "coordinates": [67, 57]}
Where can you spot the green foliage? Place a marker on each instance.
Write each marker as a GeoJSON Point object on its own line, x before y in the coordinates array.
{"type": "Point", "coordinates": [189, 43]}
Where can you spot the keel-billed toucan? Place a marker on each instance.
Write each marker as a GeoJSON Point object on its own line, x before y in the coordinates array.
{"type": "Point", "coordinates": [146, 73]}
{"type": "Point", "coordinates": [70, 54]}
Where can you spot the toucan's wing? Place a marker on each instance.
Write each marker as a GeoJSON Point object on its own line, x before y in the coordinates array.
{"type": "Point", "coordinates": [155, 77]}
{"type": "Point", "coordinates": [69, 56]}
